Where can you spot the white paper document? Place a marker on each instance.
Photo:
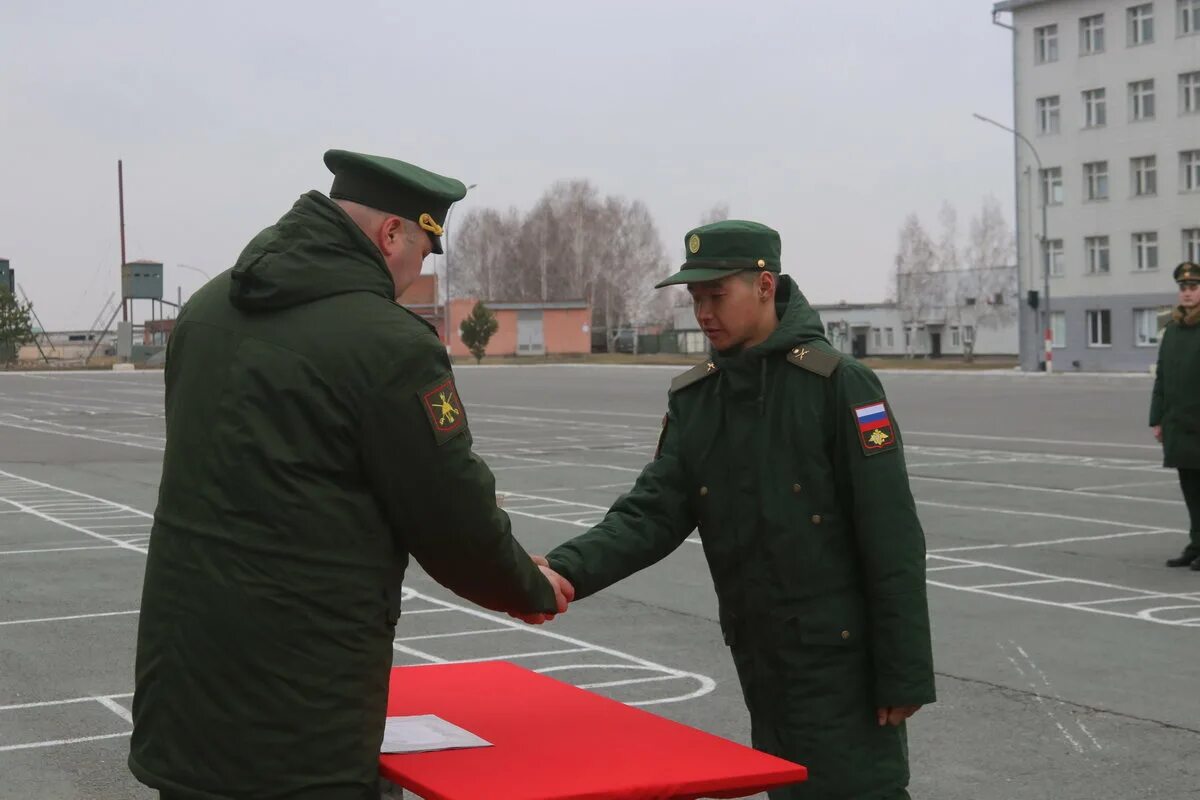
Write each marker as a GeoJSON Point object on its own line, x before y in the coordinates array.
{"type": "Point", "coordinates": [425, 733]}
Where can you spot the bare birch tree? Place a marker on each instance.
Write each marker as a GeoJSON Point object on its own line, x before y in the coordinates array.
{"type": "Point", "coordinates": [918, 283]}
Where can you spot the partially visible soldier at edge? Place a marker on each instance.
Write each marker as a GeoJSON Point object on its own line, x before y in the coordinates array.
{"type": "Point", "coordinates": [315, 440]}
{"type": "Point", "coordinates": [786, 454]}
{"type": "Point", "coordinates": [1175, 404]}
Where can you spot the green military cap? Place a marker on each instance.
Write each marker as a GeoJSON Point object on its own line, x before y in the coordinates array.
{"type": "Point", "coordinates": [722, 248]}
{"type": "Point", "coordinates": [396, 187]}
{"type": "Point", "coordinates": [1187, 272]}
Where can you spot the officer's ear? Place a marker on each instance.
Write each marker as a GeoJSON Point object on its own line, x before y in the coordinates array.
{"type": "Point", "coordinates": [766, 286]}
{"type": "Point", "coordinates": [392, 236]}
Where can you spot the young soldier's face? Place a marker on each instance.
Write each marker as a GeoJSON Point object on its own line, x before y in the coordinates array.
{"type": "Point", "coordinates": [728, 310]}
{"type": "Point", "coordinates": [1189, 295]}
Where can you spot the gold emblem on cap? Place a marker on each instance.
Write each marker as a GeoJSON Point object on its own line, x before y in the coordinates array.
{"type": "Point", "coordinates": [426, 222]}
{"type": "Point", "coordinates": [761, 264]}
{"type": "Point", "coordinates": [694, 243]}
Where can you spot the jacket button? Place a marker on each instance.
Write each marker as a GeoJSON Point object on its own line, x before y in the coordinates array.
{"type": "Point", "coordinates": [845, 634]}
{"type": "Point", "coordinates": [796, 488]}
{"type": "Point", "coordinates": [816, 519]}
{"type": "Point", "coordinates": [703, 491]}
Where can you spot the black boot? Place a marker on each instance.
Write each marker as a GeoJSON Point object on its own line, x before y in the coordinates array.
{"type": "Point", "coordinates": [1189, 558]}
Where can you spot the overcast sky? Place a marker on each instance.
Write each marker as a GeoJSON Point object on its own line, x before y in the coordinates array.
{"type": "Point", "coordinates": [829, 121]}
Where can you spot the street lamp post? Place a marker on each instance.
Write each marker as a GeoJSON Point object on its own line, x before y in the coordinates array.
{"type": "Point", "coordinates": [1045, 304]}
{"type": "Point", "coordinates": [446, 302]}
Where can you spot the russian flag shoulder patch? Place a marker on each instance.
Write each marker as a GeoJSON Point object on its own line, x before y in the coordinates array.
{"type": "Point", "coordinates": [875, 429]}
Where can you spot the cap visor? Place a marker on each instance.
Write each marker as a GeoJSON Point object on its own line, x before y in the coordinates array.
{"type": "Point", "coordinates": [697, 275]}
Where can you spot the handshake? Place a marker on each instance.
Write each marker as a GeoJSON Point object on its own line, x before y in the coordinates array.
{"type": "Point", "coordinates": [564, 593]}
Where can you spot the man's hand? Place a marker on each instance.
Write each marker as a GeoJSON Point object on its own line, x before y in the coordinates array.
{"type": "Point", "coordinates": [894, 715]}
{"type": "Point", "coordinates": [1157, 430]}
{"type": "Point", "coordinates": [564, 593]}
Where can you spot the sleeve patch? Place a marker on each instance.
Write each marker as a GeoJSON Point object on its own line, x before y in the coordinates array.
{"type": "Point", "coordinates": [875, 429]}
{"type": "Point", "coordinates": [443, 409]}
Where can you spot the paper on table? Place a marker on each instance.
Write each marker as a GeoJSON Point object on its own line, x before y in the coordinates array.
{"type": "Point", "coordinates": [425, 733]}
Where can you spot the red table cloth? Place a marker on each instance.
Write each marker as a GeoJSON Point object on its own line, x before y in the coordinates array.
{"type": "Point", "coordinates": [553, 741]}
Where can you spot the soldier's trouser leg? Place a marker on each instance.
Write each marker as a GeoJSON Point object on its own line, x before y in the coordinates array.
{"type": "Point", "coordinates": [1189, 481]}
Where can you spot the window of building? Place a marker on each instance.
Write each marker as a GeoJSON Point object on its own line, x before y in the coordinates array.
{"type": "Point", "coordinates": [1095, 108]}
{"type": "Point", "coordinates": [877, 337]}
{"type": "Point", "coordinates": [1048, 110]}
{"type": "Point", "coordinates": [1145, 175]}
{"type": "Point", "coordinates": [1052, 257]}
{"type": "Point", "coordinates": [1145, 251]}
{"type": "Point", "coordinates": [1096, 248]}
{"type": "Point", "coordinates": [1091, 35]}
{"type": "Point", "coordinates": [1191, 245]}
{"type": "Point", "coordinates": [968, 334]}
{"type": "Point", "coordinates": [970, 301]}
{"type": "Point", "coordinates": [1099, 326]}
{"type": "Point", "coordinates": [955, 339]}
{"type": "Point", "coordinates": [891, 340]}
{"type": "Point", "coordinates": [1095, 180]}
{"type": "Point", "coordinates": [1052, 186]}
{"type": "Point", "coordinates": [1189, 164]}
{"type": "Point", "coordinates": [1141, 100]}
{"type": "Point", "coordinates": [1058, 329]}
{"type": "Point", "coordinates": [1188, 20]}
{"type": "Point", "coordinates": [1141, 24]}
{"type": "Point", "coordinates": [1145, 326]}
{"type": "Point", "coordinates": [1189, 93]}
{"type": "Point", "coordinates": [1045, 43]}
{"type": "Point", "coordinates": [998, 299]}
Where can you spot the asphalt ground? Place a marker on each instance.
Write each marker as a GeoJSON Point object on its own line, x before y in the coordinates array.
{"type": "Point", "coordinates": [1067, 654]}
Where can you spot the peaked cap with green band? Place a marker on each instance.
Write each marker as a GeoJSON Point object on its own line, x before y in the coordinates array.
{"type": "Point", "coordinates": [722, 248]}
{"type": "Point", "coordinates": [396, 187]}
{"type": "Point", "coordinates": [1187, 272]}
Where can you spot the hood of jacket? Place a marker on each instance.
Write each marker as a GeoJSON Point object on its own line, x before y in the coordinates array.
{"type": "Point", "coordinates": [314, 251]}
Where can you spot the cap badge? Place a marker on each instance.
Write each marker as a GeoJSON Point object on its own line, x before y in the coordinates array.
{"type": "Point", "coordinates": [694, 243]}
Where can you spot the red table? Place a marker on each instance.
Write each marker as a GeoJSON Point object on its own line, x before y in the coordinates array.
{"type": "Point", "coordinates": [553, 741]}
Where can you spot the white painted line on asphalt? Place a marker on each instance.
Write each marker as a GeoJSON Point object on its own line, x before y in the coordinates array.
{"type": "Point", "coordinates": [1123, 534]}
{"type": "Point", "coordinates": [116, 708]}
{"type": "Point", "coordinates": [707, 684]}
{"type": "Point", "coordinates": [405, 613]}
{"type": "Point", "coordinates": [70, 701]}
{"type": "Point", "coordinates": [628, 682]}
{"type": "Point", "coordinates": [1151, 596]}
{"type": "Point", "coordinates": [1045, 489]}
{"type": "Point", "coordinates": [572, 412]}
{"type": "Point", "coordinates": [510, 656]}
{"type": "Point", "coordinates": [11, 748]}
{"type": "Point", "coordinates": [1015, 583]}
{"type": "Point", "coordinates": [1030, 440]}
{"type": "Point", "coordinates": [58, 549]}
{"type": "Point", "coordinates": [454, 635]}
{"type": "Point", "coordinates": [1089, 606]}
{"type": "Point", "coordinates": [1039, 514]}
{"type": "Point", "coordinates": [1126, 485]}
{"type": "Point", "coordinates": [35, 429]}
{"type": "Point", "coordinates": [967, 549]}
{"type": "Point", "coordinates": [952, 566]}
{"type": "Point", "coordinates": [418, 653]}
{"type": "Point", "coordinates": [67, 618]}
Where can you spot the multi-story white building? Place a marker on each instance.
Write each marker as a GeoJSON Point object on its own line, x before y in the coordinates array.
{"type": "Point", "coordinates": [1108, 94]}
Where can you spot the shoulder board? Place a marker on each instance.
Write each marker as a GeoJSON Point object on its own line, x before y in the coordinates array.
{"type": "Point", "coordinates": [822, 362]}
{"type": "Point", "coordinates": [419, 318]}
{"type": "Point", "coordinates": [696, 373]}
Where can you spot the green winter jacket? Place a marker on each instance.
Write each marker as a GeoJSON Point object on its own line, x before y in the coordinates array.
{"type": "Point", "coordinates": [1175, 404]}
{"type": "Point", "coordinates": [314, 442]}
{"type": "Point", "coordinates": [787, 458]}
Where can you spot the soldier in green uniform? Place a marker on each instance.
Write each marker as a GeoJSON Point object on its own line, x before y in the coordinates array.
{"type": "Point", "coordinates": [1175, 405]}
{"type": "Point", "coordinates": [315, 441]}
{"type": "Point", "coordinates": [787, 456]}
